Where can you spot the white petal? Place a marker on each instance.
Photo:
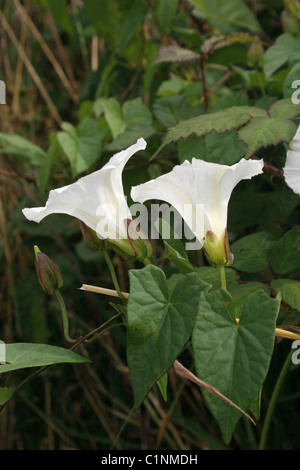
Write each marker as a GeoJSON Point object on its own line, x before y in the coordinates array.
{"type": "Point", "coordinates": [199, 184]}
{"type": "Point", "coordinates": [291, 169]}
{"type": "Point", "coordinates": [92, 197]}
{"type": "Point", "coordinates": [295, 142]}
{"type": "Point", "coordinates": [178, 188]}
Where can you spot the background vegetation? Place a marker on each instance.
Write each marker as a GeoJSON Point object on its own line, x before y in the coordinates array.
{"type": "Point", "coordinates": [85, 79]}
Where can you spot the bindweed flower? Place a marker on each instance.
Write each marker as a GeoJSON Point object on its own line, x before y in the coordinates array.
{"type": "Point", "coordinates": [190, 187]}
{"type": "Point", "coordinates": [291, 169]}
{"type": "Point", "coordinates": [98, 201]}
{"type": "Point", "coordinates": [48, 273]}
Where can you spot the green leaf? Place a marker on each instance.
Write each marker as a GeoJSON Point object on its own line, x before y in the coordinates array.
{"type": "Point", "coordinates": [24, 355]}
{"type": "Point", "coordinates": [289, 290]}
{"type": "Point", "coordinates": [173, 86]}
{"type": "Point", "coordinates": [284, 108]}
{"type": "Point", "coordinates": [18, 146]}
{"type": "Point", "coordinates": [220, 121]}
{"type": "Point", "coordinates": [278, 54]}
{"type": "Point", "coordinates": [170, 109]}
{"type": "Point", "coordinates": [285, 256]}
{"type": "Point", "coordinates": [5, 394]}
{"type": "Point", "coordinates": [60, 12]}
{"type": "Point", "coordinates": [212, 276]}
{"type": "Point", "coordinates": [252, 252]}
{"type": "Point", "coordinates": [229, 16]}
{"type": "Point", "coordinates": [192, 147]}
{"type": "Point", "coordinates": [82, 145]}
{"type": "Point", "coordinates": [239, 293]}
{"type": "Point", "coordinates": [130, 23]}
{"type": "Point", "coordinates": [130, 136]}
{"type": "Point", "coordinates": [292, 76]}
{"type": "Point", "coordinates": [225, 149]}
{"type": "Point", "coordinates": [165, 11]}
{"type": "Point", "coordinates": [215, 43]}
{"type": "Point", "coordinates": [136, 113]}
{"type": "Point", "coordinates": [175, 54]}
{"type": "Point", "coordinates": [264, 131]}
{"type": "Point", "coordinates": [234, 358]}
{"type": "Point", "coordinates": [45, 168]}
{"type": "Point", "coordinates": [113, 114]}
{"type": "Point", "coordinates": [163, 385]}
{"type": "Point", "coordinates": [105, 19]}
{"type": "Point", "coordinates": [175, 250]}
{"type": "Point", "coordinates": [159, 324]}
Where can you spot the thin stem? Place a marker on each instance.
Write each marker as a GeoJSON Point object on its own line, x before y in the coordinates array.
{"type": "Point", "coordinates": [223, 277]}
{"type": "Point", "coordinates": [64, 315]}
{"type": "Point", "coordinates": [272, 403]}
{"type": "Point", "coordinates": [204, 87]}
{"type": "Point", "coordinates": [113, 274]}
{"type": "Point", "coordinates": [99, 331]}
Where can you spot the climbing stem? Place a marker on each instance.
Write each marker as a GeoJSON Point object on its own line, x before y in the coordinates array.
{"type": "Point", "coordinates": [273, 400]}
{"type": "Point", "coordinates": [113, 274]}
{"type": "Point", "coordinates": [223, 277]}
{"type": "Point", "coordinates": [64, 315]}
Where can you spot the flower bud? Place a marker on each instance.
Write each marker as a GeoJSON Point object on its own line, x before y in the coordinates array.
{"type": "Point", "coordinates": [217, 252]}
{"type": "Point", "coordinates": [136, 247]}
{"type": "Point", "coordinates": [255, 55]}
{"type": "Point", "coordinates": [293, 7]}
{"type": "Point", "coordinates": [48, 273]}
{"type": "Point", "coordinates": [290, 23]}
{"type": "Point", "coordinates": [90, 237]}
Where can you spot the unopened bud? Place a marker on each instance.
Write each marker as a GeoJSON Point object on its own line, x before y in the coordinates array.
{"type": "Point", "coordinates": [255, 55]}
{"type": "Point", "coordinates": [48, 273]}
{"type": "Point", "coordinates": [90, 237]}
{"type": "Point", "coordinates": [136, 247]}
{"type": "Point", "coordinates": [290, 23]}
{"type": "Point", "coordinates": [292, 7]}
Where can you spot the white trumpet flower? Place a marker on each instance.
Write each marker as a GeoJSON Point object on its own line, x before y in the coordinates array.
{"type": "Point", "coordinates": [97, 200]}
{"type": "Point", "coordinates": [291, 169]}
{"type": "Point", "coordinates": [190, 186]}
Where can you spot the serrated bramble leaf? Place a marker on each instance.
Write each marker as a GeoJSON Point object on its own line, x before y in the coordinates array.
{"type": "Point", "coordinates": [264, 131]}
{"type": "Point", "coordinates": [175, 54]}
{"type": "Point", "coordinates": [220, 121]}
{"type": "Point", "coordinates": [218, 42]}
{"type": "Point", "coordinates": [284, 108]}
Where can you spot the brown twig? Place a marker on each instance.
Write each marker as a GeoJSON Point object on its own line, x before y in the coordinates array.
{"type": "Point", "coordinates": [183, 372]}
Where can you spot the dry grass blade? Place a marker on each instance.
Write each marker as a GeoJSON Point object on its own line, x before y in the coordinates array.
{"type": "Point", "coordinates": [47, 51]}
{"type": "Point", "coordinates": [183, 372]}
{"type": "Point", "coordinates": [31, 69]}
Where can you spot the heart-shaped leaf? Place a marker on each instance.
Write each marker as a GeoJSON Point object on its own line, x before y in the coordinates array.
{"type": "Point", "coordinates": [159, 324]}
{"type": "Point", "coordinates": [232, 356]}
